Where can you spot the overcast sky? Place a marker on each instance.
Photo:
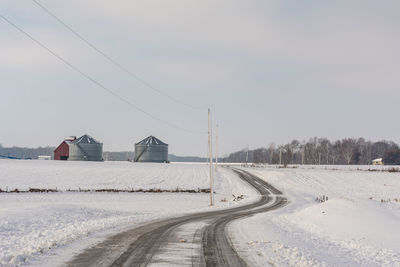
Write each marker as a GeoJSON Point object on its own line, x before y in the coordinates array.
{"type": "Point", "coordinates": [271, 71]}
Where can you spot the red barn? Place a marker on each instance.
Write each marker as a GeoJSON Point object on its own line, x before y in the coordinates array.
{"type": "Point", "coordinates": [62, 151]}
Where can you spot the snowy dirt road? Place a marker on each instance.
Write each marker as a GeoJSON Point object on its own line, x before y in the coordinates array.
{"type": "Point", "coordinates": [194, 240]}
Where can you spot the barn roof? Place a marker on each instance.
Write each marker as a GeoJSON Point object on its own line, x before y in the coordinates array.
{"type": "Point", "coordinates": [152, 141]}
{"type": "Point", "coordinates": [85, 139]}
{"type": "Point", "coordinates": [60, 145]}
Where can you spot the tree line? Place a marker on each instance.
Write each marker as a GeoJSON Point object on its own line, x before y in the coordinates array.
{"type": "Point", "coordinates": [321, 151]}
{"type": "Point", "coordinates": [24, 152]}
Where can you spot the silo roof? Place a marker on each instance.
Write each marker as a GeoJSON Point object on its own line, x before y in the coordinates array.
{"type": "Point", "coordinates": [85, 139]}
{"type": "Point", "coordinates": [152, 141]}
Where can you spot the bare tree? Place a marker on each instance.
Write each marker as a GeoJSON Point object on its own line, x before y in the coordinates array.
{"type": "Point", "coordinates": [336, 152]}
{"type": "Point", "coordinates": [324, 149]}
{"type": "Point", "coordinates": [348, 148]}
{"type": "Point", "coordinates": [271, 151]}
{"type": "Point", "coordinates": [294, 146]}
{"type": "Point", "coordinates": [260, 155]}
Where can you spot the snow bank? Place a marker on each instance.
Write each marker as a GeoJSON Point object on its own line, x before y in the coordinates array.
{"type": "Point", "coordinates": [32, 224]}
{"type": "Point", "coordinates": [353, 228]}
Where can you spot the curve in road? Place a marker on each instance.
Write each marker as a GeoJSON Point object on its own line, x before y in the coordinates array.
{"type": "Point", "coordinates": [139, 246]}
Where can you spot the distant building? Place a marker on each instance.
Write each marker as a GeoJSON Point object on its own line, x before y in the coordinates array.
{"type": "Point", "coordinates": [44, 158]}
{"type": "Point", "coordinates": [378, 161]}
{"type": "Point", "coordinates": [62, 151]}
{"type": "Point", "coordinates": [151, 149]}
{"type": "Point", "coordinates": [85, 148]}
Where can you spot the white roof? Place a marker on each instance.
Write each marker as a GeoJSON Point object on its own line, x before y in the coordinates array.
{"type": "Point", "coordinates": [85, 139]}
{"type": "Point", "coordinates": [152, 141]}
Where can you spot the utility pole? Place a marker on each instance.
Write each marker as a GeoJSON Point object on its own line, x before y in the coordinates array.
{"type": "Point", "coordinates": [216, 148]}
{"type": "Point", "coordinates": [280, 156]}
{"type": "Point", "coordinates": [302, 156]}
{"type": "Point", "coordinates": [211, 159]}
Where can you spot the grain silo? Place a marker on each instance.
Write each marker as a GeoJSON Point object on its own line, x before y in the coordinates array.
{"type": "Point", "coordinates": [151, 149]}
{"type": "Point", "coordinates": [85, 148]}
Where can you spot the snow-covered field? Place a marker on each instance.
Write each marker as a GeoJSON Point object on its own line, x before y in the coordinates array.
{"type": "Point", "coordinates": [73, 175]}
{"type": "Point", "coordinates": [39, 228]}
{"type": "Point", "coordinates": [357, 226]}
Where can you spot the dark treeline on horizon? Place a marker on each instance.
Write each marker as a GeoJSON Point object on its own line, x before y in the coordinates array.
{"type": "Point", "coordinates": [314, 151]}
{"type": "Point", "coordinates": [25, 153]}
{"type": "Point", "coordinates": [321, 151]}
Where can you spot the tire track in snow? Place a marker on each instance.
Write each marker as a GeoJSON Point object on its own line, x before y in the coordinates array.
{"type": "Point", "coordinates": [152, 244]}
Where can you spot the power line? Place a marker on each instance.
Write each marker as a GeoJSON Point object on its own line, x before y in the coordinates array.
{"type": "Point", "coordinates": [113, 61]}
{"type": "Point", "coordinates": [88, 77]}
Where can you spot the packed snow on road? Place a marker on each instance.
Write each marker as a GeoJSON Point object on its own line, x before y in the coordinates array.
{"type": "Point", "coordinates": [48, 228]}
{"type": "Point", "coordinates": [336, 216]}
